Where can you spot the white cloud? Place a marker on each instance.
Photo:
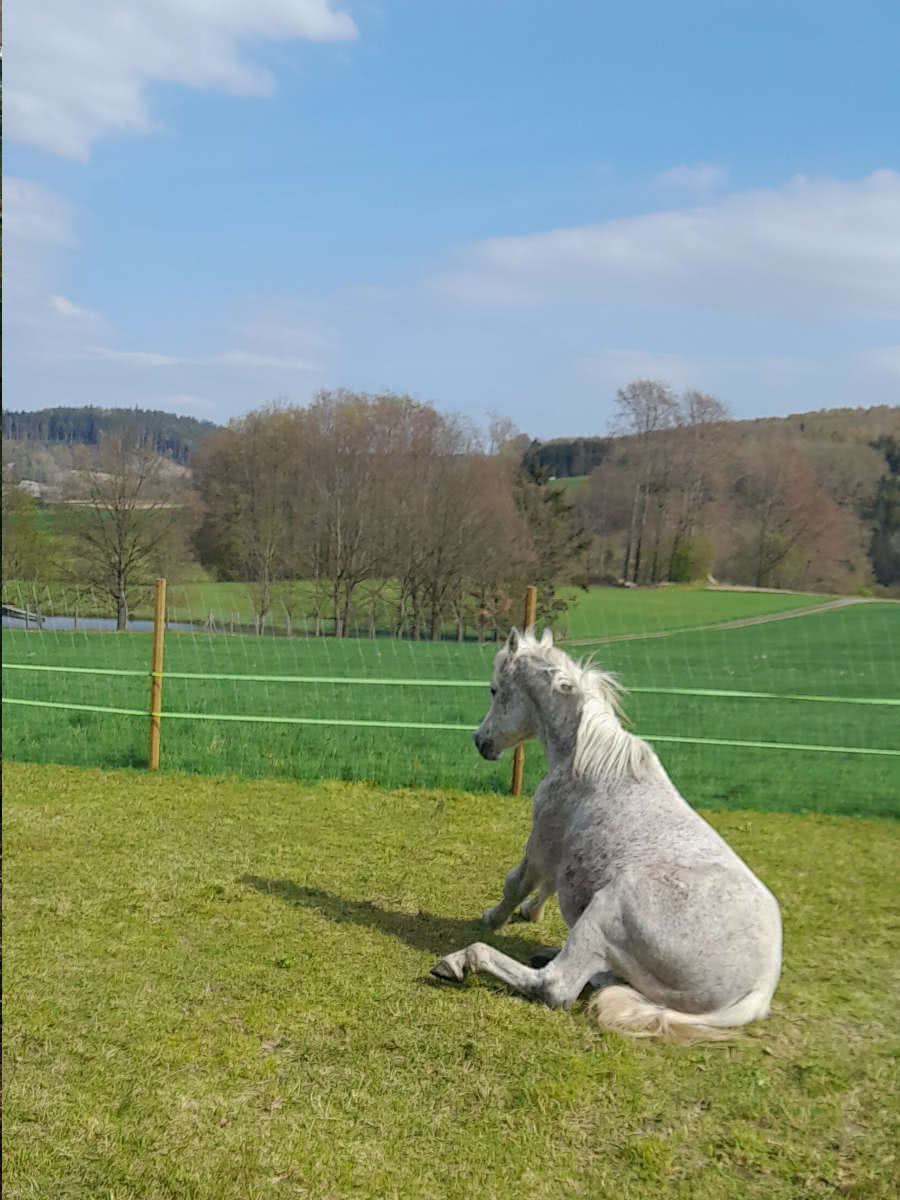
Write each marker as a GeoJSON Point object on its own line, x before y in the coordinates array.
{"type": "Point", "coordinates": [615, 368]}
{"type": "Point", "coordinates": [74, 312]}
{"type": "Point", "coordinates": [135, 358]}
{"type": "Point", "coordinates": [247, 358]}
{"type": "Point", "coordinates": [703, 177]}
{"type": "Point", "coordinates": [809, 247]}
{"type": "Point", "coordinates": [78, 71]}
{"type": "Point", "coordinates": [33, 213]}
{"type": "Point", "coordinates": [284, 326]}
{"type": "Point", "coordinates": [40, 323]}
{"type": "Point", "coordinates": [227, 358]}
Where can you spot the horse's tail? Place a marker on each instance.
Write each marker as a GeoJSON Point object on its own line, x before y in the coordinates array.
{"type": "Point", "coordinates": [621, 1009]}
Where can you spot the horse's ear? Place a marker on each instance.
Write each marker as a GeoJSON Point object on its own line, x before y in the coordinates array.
{"type": "Point", "coordinates": [512, 642]}
{"type": "Point", "coordinates": [547, 637]}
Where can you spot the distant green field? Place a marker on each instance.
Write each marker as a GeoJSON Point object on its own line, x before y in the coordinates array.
{"type": "Point", "coordinates": [595, 613]}
{"type": "Point", "coordinates": [574, 483]}
{"type": "Point", "coordinates": [847, 652]}
{"type": "Point", "coordinates": [186, 602]}
{"type": "Point", "coordinates": [218, 989]}
{"type": "Point", "coordinates": [609, 612]}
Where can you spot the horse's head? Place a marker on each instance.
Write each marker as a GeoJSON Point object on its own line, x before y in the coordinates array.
{"type": "Point", "coordinates": [511, 718]}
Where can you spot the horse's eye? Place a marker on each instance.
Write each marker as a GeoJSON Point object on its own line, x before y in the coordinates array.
{"type": "Point", "coordinates": [493, 689]}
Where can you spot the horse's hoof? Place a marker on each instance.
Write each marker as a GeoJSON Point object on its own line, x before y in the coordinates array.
{"type": "Point", "coordinates": [489, 919]}
{"type": "Point", "coordinates": [528, 912]}
{"type": "Point", "coordinates": [447, 968]}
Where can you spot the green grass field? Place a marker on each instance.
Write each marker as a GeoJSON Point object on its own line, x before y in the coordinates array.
{"type": "Point", "coordinates": [600, 611]}
{"type": "Point", "coordinates": [574, 483]}
{"type": "Point", "coordinates": [612, 612]}
{"type": "Point", "coordinates": [219, 990]}
{"type": "Point", "coordinates": [847, 652]}
{"type": "Point", "coordinates": [186, 602]}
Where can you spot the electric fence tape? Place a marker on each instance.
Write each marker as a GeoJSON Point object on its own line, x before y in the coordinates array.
{"type": "Point", "coordinates": [424, 725]}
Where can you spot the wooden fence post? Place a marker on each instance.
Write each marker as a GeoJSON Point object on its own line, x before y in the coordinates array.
{"type": "Point", "coordinates": [156, 666]}
{"type": "Point", "coordinates": [518, 771]}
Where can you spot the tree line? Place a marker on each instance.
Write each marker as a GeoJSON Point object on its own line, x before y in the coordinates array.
{"type": "Point", "coordinates": [329, 510]}
{"type": "Point", "coordinates": [168, 435]}
{"type": "Point", "coordinates": [685, 493]}
{"type": "Point", "coordinates": [565, 458]}
{"type": "Point", "coordinates": [380, 511]}
{"type": "Point", "coordinates": [129, 516]}
{"type": "Point", "coordinates": [382, 490]}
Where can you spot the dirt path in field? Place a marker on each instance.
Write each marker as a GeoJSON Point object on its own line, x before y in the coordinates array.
{"type": "Point", "coordinates": [740, 623]}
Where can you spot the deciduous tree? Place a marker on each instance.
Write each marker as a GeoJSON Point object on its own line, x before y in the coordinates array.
{"type": "Point", "coordinates": [133, 516]}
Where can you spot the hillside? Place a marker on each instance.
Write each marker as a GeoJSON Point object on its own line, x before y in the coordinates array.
{"type": "Point", "coordinates": [172, 436]}
{"type": "Point", "coordinates": [811, 500]}
{"type": "Point", "coordinates": [578, 456]}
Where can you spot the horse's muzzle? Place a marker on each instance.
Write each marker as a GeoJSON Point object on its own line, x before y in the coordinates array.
{"type": "Point", "coordinates": [485, 747]}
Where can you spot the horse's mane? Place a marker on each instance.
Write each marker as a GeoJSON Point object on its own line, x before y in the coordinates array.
{"type": "Point", "coordinates": [603, 748]}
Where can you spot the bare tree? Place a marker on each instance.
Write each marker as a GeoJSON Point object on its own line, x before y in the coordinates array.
{"type": "Point", "coordinates": [504, 438]}
{"type": "Point", "coordinates": [697, 446]}
{"type": "Point", "coordinates": [788, 531]}
{"type": "Point", "coordinates": [356, 490]}
{"type": "Point", "coordinates": [246, 474]}
{"type": "Point", "coordinates": [133, 518]}
{"type": "Point", "coordinates": [606, 507]}
{"type": "Point", "coordinates": [343, 495]}
{"type": "Point", "coordinates": [643, 409]}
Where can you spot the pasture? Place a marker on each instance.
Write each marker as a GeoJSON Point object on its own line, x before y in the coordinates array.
{"type": "Point", "coordinates": [217, 989]}
{"type": "Point", "coordinates": [594, 612]}
{"type": "Point", "coordinates": [843, 652]}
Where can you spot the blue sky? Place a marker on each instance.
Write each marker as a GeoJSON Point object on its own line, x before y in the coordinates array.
{"type": "Point", "coordinates": [507, 206]}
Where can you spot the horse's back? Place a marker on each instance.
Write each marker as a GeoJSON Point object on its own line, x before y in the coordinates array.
{"type": "Point", "coordinates": [645, 830]}
{"type": "Point", "coordinates": [645, 821]}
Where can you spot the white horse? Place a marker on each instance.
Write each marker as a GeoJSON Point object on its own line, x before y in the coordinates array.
{"type": "Point", "coordinates": [664, 918]}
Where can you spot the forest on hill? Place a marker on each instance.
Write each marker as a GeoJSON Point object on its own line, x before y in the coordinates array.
{"type": "Point", "coordinates": [681, 492]}
{"type": "Point", "coordinates": [169, 435]}
{"type": "Point", "coordinates": [573, 457]}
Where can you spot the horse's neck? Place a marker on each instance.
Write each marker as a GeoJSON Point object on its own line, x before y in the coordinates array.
{"type": "Point", "coordinates": [582, 734]}
{"type": "Point", "coordinates": [558, 718]}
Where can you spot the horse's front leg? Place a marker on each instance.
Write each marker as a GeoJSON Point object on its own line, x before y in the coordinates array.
{"type": "Point", "coordinates": [558, 983]}
{"type": "Point", "coordinates": [519, 883]}
{"type": "Point", "coordinates": [480, 957]}
{"type": "Point", "coordinates": [532, 909]}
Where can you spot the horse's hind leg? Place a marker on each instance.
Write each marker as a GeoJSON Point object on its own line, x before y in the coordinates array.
{"type": "Point", "coordinates": [519, 882]}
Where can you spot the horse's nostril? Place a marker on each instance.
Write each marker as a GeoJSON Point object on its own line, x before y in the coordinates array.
{"type": "Point", "coordinates": [484, 746]}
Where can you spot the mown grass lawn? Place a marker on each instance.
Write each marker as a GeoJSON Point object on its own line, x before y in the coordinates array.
{"type": "Point", "coordinates": [219, 989]}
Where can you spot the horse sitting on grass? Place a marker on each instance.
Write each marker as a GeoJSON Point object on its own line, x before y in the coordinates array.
{"type": "Point", "coordinates": [675, 931]}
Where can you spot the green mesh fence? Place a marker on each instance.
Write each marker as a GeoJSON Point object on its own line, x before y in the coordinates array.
{"type": "Point", "coordinates": [753, 700]}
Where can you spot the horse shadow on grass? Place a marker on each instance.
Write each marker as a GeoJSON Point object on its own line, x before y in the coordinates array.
{"type": "Point", "coordinates": [421, 930]}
